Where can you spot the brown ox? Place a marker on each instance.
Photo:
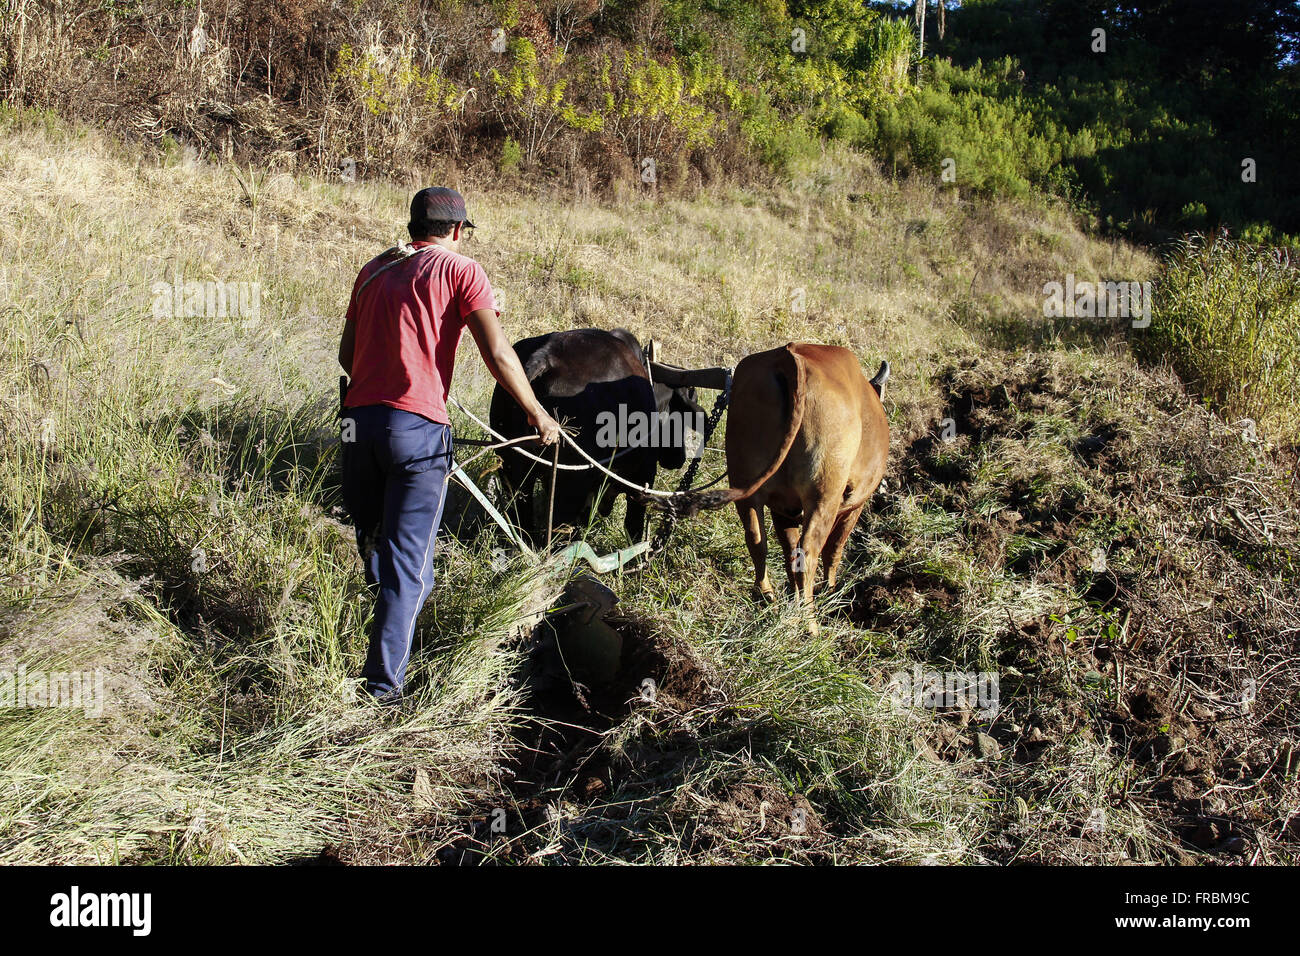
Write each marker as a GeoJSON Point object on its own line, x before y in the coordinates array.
{"type": "Point", "coordinates": [807, 437]}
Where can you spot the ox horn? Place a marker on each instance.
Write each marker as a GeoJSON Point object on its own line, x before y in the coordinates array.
{"type": "Point", "coordinates": [882, 376]}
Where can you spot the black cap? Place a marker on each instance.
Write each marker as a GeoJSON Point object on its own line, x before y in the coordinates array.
{"type": "Point", "coordinates": [439, 204]}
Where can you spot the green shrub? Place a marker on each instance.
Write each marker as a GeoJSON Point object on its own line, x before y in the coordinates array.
{"type": "Point", "coordinates": [1227, 316]}
{"type": "Point", "coordinates": [534, 101]}
{"type": "Point", "coordinates": [780, 143]}
{"type": "Point", "coordinates": [652, 107]}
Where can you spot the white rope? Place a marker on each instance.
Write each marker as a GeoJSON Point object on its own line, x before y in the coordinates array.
{"type": "Point", "coordinates": [644, 489]}
{"type": "Point", "coordinates": [502, 438]}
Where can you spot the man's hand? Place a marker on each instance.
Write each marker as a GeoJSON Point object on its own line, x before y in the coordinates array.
{"type": "Point", "coordinates": [547, 427]}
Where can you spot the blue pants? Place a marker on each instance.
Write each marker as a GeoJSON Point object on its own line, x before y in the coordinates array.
{"type": "Point", "coordinates": [395, 465]}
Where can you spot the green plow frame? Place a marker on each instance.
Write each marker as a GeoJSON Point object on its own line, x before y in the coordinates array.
{"type": "Point", "coordinates": [571, 554]}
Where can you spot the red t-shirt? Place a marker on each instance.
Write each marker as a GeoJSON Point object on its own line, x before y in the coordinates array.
{"type": "Point", "coordinates": [409, 321]}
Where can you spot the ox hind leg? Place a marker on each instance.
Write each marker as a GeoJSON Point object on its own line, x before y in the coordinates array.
{"type": "Point", "coordinates": [816, 529]}
{"type": "Point", "coordinates": [833, 549]}
{"type": "Point", "coordinates": [751, 519]}
{"type": "Point", "coordinates": [634, 523]}
{"type": "Point", "coordinates": [787, 533]}
{"type": "Point", "coordinates": [634, 520]}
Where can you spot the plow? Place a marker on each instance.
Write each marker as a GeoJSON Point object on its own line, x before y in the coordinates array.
{"type": "Point", "coordinates": [590, 648]}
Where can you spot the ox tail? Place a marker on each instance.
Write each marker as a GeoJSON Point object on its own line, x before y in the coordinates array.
{"type": "Point", "coordinates": [794, 375]}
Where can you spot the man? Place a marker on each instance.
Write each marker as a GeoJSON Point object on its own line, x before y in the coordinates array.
{"type": "Point", "coordinates": [405, 318]}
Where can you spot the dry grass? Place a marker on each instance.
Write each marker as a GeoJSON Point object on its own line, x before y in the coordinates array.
{"type": "Point", "coordinates": [134, 440]}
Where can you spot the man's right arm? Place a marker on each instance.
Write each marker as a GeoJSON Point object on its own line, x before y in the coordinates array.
{"type": "Point", "coordinates": [503, 363]}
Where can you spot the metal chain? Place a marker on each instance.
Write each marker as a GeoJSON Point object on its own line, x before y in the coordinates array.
{"type": "Point", "coordinates": [710, 424]}
{"type": "Point", "coordinates": [665, 528]}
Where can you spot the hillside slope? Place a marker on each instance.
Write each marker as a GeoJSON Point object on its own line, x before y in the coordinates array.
{"type": "Point", "coordinates": [171, 518]}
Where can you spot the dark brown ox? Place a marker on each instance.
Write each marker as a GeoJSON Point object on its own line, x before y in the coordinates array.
{"type": "Point", "coordinates": [578, 375]}
{"type": "Point", "coordinates": [807, 438]}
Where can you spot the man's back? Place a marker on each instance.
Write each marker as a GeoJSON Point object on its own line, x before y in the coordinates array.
{"type": "Point", "coordinates": [409, 320]}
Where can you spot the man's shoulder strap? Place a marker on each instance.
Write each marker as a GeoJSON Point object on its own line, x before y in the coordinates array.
{"type": "Point", "coordinates": [395, 256]}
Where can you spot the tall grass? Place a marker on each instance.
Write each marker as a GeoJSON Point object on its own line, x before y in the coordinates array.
{"type": "Point", "coordinates": [168, 491]}
{"type": "Point", "coordinates": [166, 486]}
{"type": "Point", "coordinates": [1227, 316]}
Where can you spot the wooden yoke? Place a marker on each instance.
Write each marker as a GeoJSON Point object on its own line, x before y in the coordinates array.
{"type": "Point", "coordinates": [674, 377]}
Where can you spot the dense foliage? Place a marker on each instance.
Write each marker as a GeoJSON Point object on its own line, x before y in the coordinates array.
{"type": "Point", "coordinates": [1157, 118]}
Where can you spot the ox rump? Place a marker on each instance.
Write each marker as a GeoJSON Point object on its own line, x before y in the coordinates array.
{"type": "Point", "coordinates": [807, 440]}
{"type": "Point", "coordinates": [579, 376]}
